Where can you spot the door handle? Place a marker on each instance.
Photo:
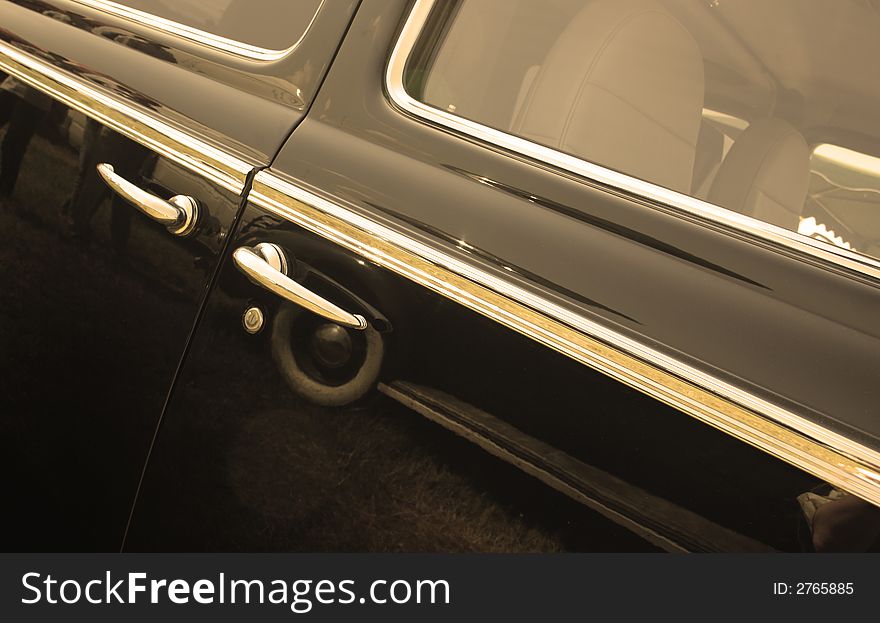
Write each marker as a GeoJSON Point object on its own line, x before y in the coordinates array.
{"type": "Point", "coordinates": [266, 265]}
{"type": "Point", "coordinates": [179, 214]}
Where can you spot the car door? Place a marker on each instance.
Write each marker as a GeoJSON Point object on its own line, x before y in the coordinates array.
{"type": "Point", "coordinates": [411, 238]}
{"type": "Point", "coordinates": [128, 145]}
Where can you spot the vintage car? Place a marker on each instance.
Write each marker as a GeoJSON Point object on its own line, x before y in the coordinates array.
{"type": "Point", "coordinates": [440, 275]}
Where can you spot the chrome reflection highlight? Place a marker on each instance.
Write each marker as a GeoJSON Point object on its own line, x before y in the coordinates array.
{"type": "Point", "coordinates": [179, 215]}
{"type": "Point", "coordinates": [261, 265]}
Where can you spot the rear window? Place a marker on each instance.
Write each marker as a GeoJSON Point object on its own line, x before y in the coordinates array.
{"type": "Point", "coordinates": [268, 24]}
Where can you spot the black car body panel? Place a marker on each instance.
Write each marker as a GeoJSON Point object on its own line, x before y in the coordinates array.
{"type": "Point", "coordinates": [499, 292]}
{"type": "Point", "coordinates": [98, 306]}
{"type": "Point", "coordinates": [100, 301]}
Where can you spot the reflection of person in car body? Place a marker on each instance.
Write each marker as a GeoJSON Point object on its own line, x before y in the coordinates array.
{"type": "Point", "coordinates": [101, 144]}
{"type": "Point", "coordinates": [25, 113]}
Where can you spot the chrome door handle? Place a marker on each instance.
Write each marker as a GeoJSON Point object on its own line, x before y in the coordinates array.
{"type": "Point", "coordinates": [266, 266]}
{"type": "Point", "coordinates": [179, 214]}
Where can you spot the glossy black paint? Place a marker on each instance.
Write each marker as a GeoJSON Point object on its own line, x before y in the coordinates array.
{"type": "Point", "coordinates": [94, 331]}
{"type": "Point", "coordinates": [99, 302]}
{"type": "Point", "coordinates": [96, 308]}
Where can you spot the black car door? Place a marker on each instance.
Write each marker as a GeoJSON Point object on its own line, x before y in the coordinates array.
{"type": "Point", "coordinates": [128, 143]}
{"type": "Point", "coordinates": [411, 238]}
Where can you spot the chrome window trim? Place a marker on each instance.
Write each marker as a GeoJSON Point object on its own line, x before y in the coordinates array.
{"type": "Point", "coordinates": [195, 35]}
{"type": "Point", "coordinates": [769, 427]}
{"type": "Point", "coordinates": [213, 163]}
{"type": "Point", "coordinates": [704, 211]}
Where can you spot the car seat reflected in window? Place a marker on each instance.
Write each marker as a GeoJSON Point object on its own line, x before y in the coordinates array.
{"type": "Point", "coordinates": [725, 101]}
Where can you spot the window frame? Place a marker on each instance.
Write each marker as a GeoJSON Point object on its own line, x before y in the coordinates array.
{"type": "Point", "coordinates": [196, 35]}
{"type": "Point", "coordinates": [682, 204]}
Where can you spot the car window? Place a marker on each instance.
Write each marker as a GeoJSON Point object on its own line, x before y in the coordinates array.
{"type": "Point", "coordinates": [725, 101]}
{"type": "Point", "coordinates": [269, 24]}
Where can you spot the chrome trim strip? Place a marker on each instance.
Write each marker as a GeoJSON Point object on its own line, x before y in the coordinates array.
{"type": "Point", "coordinates": [850, 260]}
{"type": "Point", "coordinates": [799, 441]}
{"type": "Point", "coordinates": [215, 164]}
{"type": "Point", "coordinates": [196, 35]}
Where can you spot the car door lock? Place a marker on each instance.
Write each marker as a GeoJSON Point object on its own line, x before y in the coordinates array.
{"type": "Point", "coordinates": [253, 320]}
